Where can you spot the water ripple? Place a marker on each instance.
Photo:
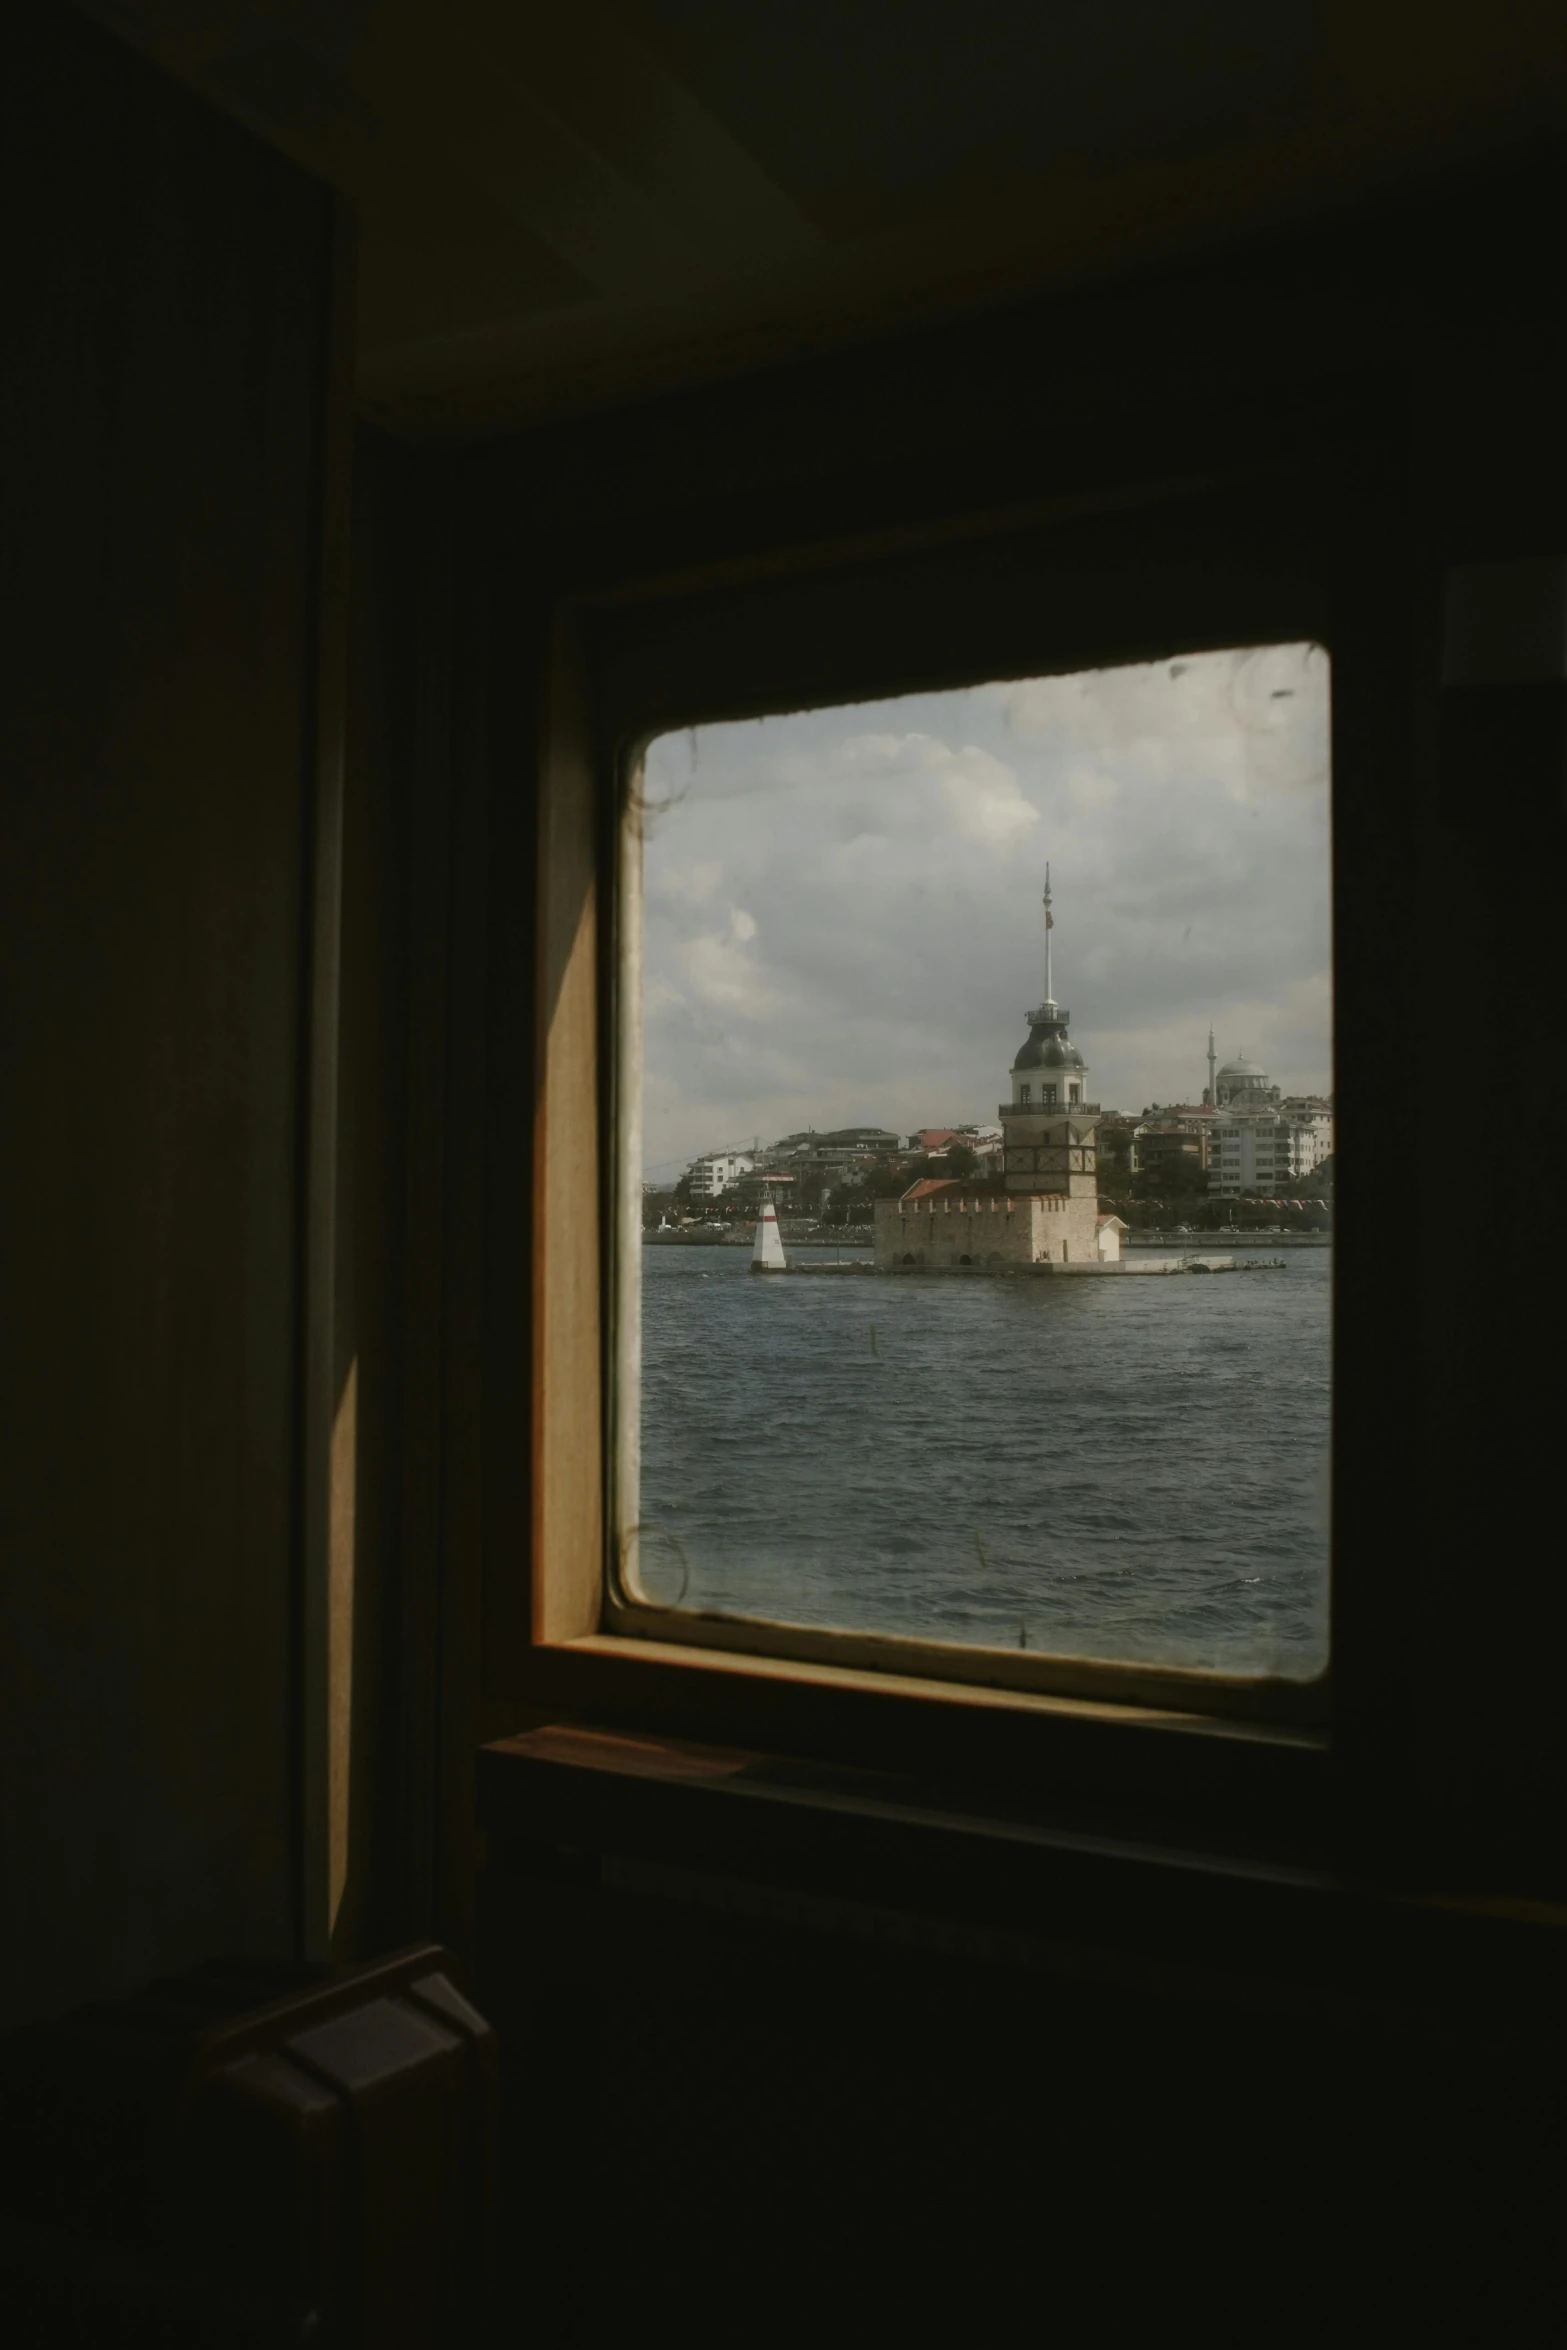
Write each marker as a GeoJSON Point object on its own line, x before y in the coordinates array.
{"type": "Point", "coordinates": [1142, 1464]}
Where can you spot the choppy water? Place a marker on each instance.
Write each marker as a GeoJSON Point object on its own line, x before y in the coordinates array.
{"type": "Point", "coordinates": [1128, 1467]}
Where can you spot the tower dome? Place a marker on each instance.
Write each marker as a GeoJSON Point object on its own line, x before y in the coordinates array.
{"type": "Point", "coordinates": [1049, 1071]}
{"type": "Point", "coordinates": [1049, 1046]}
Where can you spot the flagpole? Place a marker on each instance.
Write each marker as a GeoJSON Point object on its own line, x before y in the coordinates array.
{"type": "Point", "coordinates": [1049, 998]}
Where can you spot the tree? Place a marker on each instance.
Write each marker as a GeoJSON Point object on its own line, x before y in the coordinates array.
{"type": "Point", "coordinates": [1115, 1162]}
{"type": "Point", "coordinates": [886, 1179]}
{"type": "Point", "coordinates": [1317, 1185]}
{"type": "Point", "coordinates": [1177, 1178]}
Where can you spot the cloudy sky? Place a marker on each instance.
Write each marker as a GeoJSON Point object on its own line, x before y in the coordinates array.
{"type": "Point", "coordinates": [842, 907]}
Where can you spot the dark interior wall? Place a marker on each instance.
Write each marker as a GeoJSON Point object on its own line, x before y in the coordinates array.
{"type": "Point", "coordinates": [167, 288]}
{"type": "Point", "coordinates": [391, 1158]}
{"type": "Point", "coordinates": [1483, 1601]}
{"type": "Point", "coordinates": [373, 1012]}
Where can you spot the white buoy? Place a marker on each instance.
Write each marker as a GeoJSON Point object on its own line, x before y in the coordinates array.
{"type": "Point", "coordinates": [767, 1254]}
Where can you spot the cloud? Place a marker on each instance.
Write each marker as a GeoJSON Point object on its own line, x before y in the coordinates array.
{"type": "Point", "coordinates": [715, 970]}
{"type": "Point", "coordinates": [1090, 787]}
{"type": "Point", "coordinates": [882, 869]}
{"type": "Point", "coordinates": [975, 791]}
{"type": "Point", "coordinates": [687, 885]}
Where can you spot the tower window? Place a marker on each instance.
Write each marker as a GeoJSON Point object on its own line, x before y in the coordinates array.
{"type": "Point", "coordinates": [1022, 1093]}
{"type": "Point", "coordinates": [1047, 1093]}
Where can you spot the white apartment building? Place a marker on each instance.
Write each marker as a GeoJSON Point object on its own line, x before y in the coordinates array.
{"type": "Point", "coordinates": [717, 1171]}
{"type": "Point", "coordinates": [1313, 1110]}
{"type": "Point", "coordinates": [1259, 1154]}
{"type": "Point", "coordinates": [1260, 1140]}
{"type": "Point", "coordinates": [1263, 1151]}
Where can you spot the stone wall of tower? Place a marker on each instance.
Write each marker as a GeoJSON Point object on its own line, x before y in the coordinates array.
{"type": "Point", "coordinates": [993, 1235]}
{"type": "Point", "coordinates": [1047, 1151]}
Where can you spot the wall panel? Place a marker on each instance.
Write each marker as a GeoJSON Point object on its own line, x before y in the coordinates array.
{"type": "Point", "coordinates": [168, 287]}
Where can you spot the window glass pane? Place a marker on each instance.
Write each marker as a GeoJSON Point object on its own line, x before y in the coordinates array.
{"type": "Point", "coordinates": [979, 1110]}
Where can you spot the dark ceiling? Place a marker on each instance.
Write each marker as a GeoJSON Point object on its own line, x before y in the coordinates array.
{"type": "Point", "coordinates": [561, 205]}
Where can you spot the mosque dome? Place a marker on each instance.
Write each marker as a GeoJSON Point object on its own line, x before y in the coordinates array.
{"type": "Point", "coordinates": [1240, 1071]}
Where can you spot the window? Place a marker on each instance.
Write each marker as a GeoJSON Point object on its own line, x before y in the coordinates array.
{"type": "Point", "coordinates": [809, 1453]}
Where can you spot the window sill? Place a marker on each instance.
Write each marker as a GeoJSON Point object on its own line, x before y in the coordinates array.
{"type": "Point", "coordinates": [958, 1736]}
{"type": "Point", "coordinates": [865, 1855]}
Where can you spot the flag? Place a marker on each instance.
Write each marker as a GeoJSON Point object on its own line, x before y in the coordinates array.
{"type": "Point", "coordinates": [1050, 920]}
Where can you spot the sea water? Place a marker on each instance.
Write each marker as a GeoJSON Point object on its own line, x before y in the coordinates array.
{"type": "Point", "coordinates": [1118, 1466]}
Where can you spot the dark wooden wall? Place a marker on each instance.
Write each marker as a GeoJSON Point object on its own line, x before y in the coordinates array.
{"type": "Point", "coordinates": [167, 285]}
{"type": "Point", "coordinates": [396, 1195]}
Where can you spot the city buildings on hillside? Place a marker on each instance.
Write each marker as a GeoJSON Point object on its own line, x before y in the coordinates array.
{"type": "Point", "coordinates": [1245, 1135]}
{"type": "Point", "coordinates": [767, 1182]}
{"type": "Point", "coordinates": [935, 1141]}
{"type": "Point", "coordinates": [1259, 1140]}
{"type": "Point", "coordinates": [796, 1160]}
{"type": "Point", "coordinates": [717, 1171]}
{"type": "Point", "coordinates": [1166, 1139]}
{"type": "Point", "coordinates": [1262, 1155]}
{"type": "Point", "coordinates": [843, 1147]}
{"type": "Point", "coordinates": [1253, 1137]}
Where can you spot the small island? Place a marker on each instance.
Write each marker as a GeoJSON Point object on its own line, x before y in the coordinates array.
{"type": "Point", "coordinates": [1047, 1216]}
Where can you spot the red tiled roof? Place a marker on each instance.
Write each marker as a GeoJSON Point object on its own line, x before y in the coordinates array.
{"type": "Point", "coordinates": [930, 1183]}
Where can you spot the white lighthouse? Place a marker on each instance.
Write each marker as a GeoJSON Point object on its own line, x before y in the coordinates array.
{"type": "Point", "coordinates": [767, 1254]}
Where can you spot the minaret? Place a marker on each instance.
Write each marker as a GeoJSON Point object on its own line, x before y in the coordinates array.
{"type": "Point", "coordinates": [1213, 1082]}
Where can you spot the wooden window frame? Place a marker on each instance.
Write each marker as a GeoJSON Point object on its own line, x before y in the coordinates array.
{"type": "Point", "coordinates": [1273, 554]}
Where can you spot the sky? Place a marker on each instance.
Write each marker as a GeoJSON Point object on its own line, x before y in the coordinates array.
{"type": "Point", "coordinates": [842, 908]}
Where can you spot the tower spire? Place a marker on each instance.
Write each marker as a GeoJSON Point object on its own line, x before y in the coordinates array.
{"type": "Point", "coordinates": [1049, 926]}
{"type": "Point", "coordinates": [1213, 1083]}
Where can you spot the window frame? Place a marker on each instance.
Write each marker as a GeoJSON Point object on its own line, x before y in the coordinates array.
{"type": "Point", "coordinates": [631, 662]}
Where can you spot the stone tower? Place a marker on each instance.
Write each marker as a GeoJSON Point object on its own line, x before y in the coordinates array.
{"type": "Point", "coordinates": [1049, 1125]}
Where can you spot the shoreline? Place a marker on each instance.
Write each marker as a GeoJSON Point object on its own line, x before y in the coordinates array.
{"type": "Point", "coordinates": [1161, 1266]}
{"type": "Point", "coordinates": [1186, 1244]}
